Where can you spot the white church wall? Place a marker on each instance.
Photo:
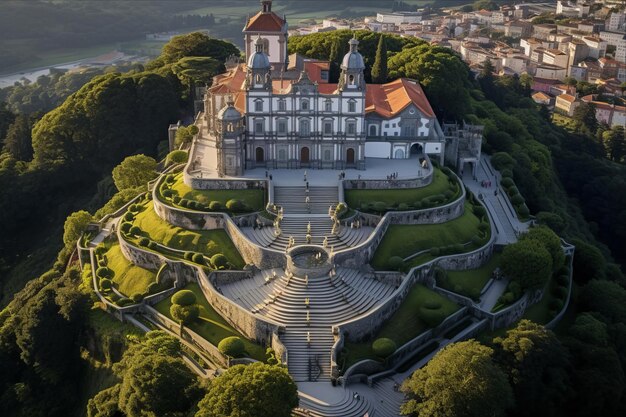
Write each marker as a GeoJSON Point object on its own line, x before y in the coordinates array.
{"type": "Point", "coordinates": [433, 148]}
{"type": "Point", "coordinates": [377, 149]}
{"type": "Point", "coordinates": [391, 127]}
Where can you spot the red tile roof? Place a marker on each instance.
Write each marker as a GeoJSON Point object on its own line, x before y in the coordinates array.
{"type": "Point", "coordinates": [392, 98]}
{"type": "Point", "coordinates": [265, 22]}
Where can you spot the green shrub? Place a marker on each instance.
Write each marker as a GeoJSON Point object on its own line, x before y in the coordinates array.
{"type": "Point", "coordinates": [446, 171]}
{"type": "Point", "coordinates": [232, 346]}
{"type": "Point", "coordinates": [483, 227]}
{"type": "Point", "coordinates": [479, 211]}
{"type": "Point", "coordinates": [198, 258]}
{"type": "Point", "coordinates": [379, 206]}
{"type": "Point", "coordinates": [114, 297]}
{"type": "Point", "coordinates": [153, 245]}
{"type": "Point", "coordinates": [184, 298]}
{"type": "Point", "coordinates": [188, 256]}
{"type": "Point", "coordinates": [523, 210]}
{"type": "Point", "coordinates": [125, 228]}
{"type": "Point", "coordinates": [365, 207]}
{"type": "Point", "coordinates": [448, 194]}
{"type": "Point", "coordinates": [147, 196]}
{"type": "Point", "coordinates": [176, 199]}
{"type": "Point", "coordinates": [556, 304]}
{"type": "Point", "coordinates": [512, 190]}
{"type": "Point", "coordinates": [395, 262]}
{"type": "Point", "coordinates": [383, 347]}
{"type": "Point", "coordinates": [507, 182]}
{"type": "Point", "coordinates": [434, 251]}
{"type": "Point", "coordinates": [128, 216]}
{"type": "Point", "coordinates": [124, 302]}
{"type": "Point", "coordinates": [219, 261]}
{"type": "Point", "coordinates": [184, 314]}
{"type": "Point", "coordinates": [403, 207]}
{"type": "Point", "coordinates": [235, 205]}
{"type": "Point", "coordinates": [135, 231]}
{"type": "Point", "coordinates": [154, 288]}
{"type": "Point", "coordinates": [175, 157]}
{"type": "Point", "coordinates": [417, 205]}
{"type": "Point", "coordinates": [560, 292]}
{"type": "Point", "coordinates": [515, 288]}
{"type": "Point", "coordinates": [104, 272]}
{"type": "Point", "coordinates": [507, 298]}
{"type": "Point", "coordinates": [562, 280]}
{"type": "Point", "coordinates": [144, 241]}
{"type": "Point", "coordinates": [137, 298]}
{"type": "Point", "coordinates": [341, 208]}
{"type": "Point", "coordinates": [183, 202]}
{"type": "Point", "coordinates": [506, 173]}
{"type": "Point", "coordinates": [134, 208]}
{"type": "Point", "coordinates": [517, 200]}
{"type": "Point", "coordinates": [432, 317]}
{"type": "Point", "coordinates": [102, 262]}
{"type": "Point", "coordinates": [476, 240]}
{"type": "Point", "coordinates": [458, 248]}
{"type": "Point", "coordinates": [215, 206]}
{"type": "Point", "coordinates": [167, 193]}
{"type": "Point", "coordinates": [106, 284]}
{"type": "Point", "coordinates": [101, 249]}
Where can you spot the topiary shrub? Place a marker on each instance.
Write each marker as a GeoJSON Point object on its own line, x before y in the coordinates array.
{"type": "Point", "coordinates": [517, 200]}
{"type": "Point", "coordinates": [184, 298]}
{"type": "Point", "coordinates": [448, 194]}
{"type": "Point", "coordinates": [183, 202]}
{"type": "Point", "coordinates": [476, 240]}
{"type": "Point", "coordinates": [403, 207]}
{"type": "Point", "coordinates": [144, 241]}
{"type": "Point", "coordinates": [170, 178]}
{"type": "Point", "coordinates": [507, 182]}
{"type": "Point", "coordinates": [124, 302]}
{"type": "Point", "coordinates": [417, 205]}
{"type": "Point", "coordinates": [219, 261]}
{"type": "Point", "coordinates": [523, 210]}
{"type": "Point", "coordinates": [154, 288]}
{"type": "Point", "coordinates": [125, 228]}
{"type": "Point", "coordinates": [153, 245]}
{"type": "Point", "coordinates": [556, 305]}
{"type": "Point", "coordinates": [432, 317]}
{"type": "Point", "coordinates": [128, 216]}
{"type": "Point", "coordinates": [176, 199]}
{"type": "Point", "coordinates": [479, 211]}
{"type": "Point", "coordinates": [232, 346]}
{"type": "Point", "coordinates": [483, 227]}
{"type": "Point", "coordinates": [560, 292]}
{"type": "Point", "coordinates": [113, 297]}
{"type": "Point", "coordinates": [101, 249]}
{"type": "Point", "coordinates": [167, 193]}
{"type": "Point", "coordinates": [135, 231]}
{"type": "Point", "coordinates": [384, 347]}
{"type": "Point", "coordinates": [395, 262]}
{"type": "Point", "coordinates": [102, 262]}
{"type": "Point", "coordinates": [458, 248]}
{"type": "Point", "coordinates": [104, 272]}
{"type": "Point", "coordinates": [106, 284]}
{"type": "Point", "coordinates": [184, 314]}
{"type": "Point", "coordinates": [506, 173]}
{"type": "Point", "coordinates": [235, 205]}
{"type": "Point", "coordinates": [175, 157]}
{"type": "Point", "coordinates": [562, 280]}
{"type": "Point", "coordinates": [379, 206]}
{"type": "Point", "coordinates": [137, 298]}
{"type": "Point", "coordinates": [198, 258]}
{"type": "Point", "coordinates": [187, 256]}
{"type": "Point", "coordinates": [134, 208]}
{"type": "Point", "coordinates": [432, 304]}
{"type": "Point", "coordinates": [215, 206]}
{"type": "Point", "coordinates": [511, 191]}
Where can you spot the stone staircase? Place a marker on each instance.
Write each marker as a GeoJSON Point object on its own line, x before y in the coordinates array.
{"type": "Point", "coordinates": [308, 336]}
{"type": "Point", "coordinates": [293, 199]}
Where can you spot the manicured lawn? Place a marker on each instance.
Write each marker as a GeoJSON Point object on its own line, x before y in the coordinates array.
{"type": "Point", "coordinates": [470, 282]}
{"type": "Point", "coordinates": [393, 197]}
{"type": "Point", "coordinates": [405, 240]}
{"type": "Point", "coordinates": [404, 325]}
{"type": "Point", "coordinates": [211, 325]}
{"type": "Point", "coordinates": [254, 199]}
{"type": "Point", "coordinates": [128, 279]}
{"type": "Point", "coordinates": [208, 242]}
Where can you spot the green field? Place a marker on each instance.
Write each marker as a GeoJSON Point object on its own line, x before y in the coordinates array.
{"type": "Point", "coordinates": [253, 199]}
{"type": "Point", "coordinates": [211, 325]}
{"type": "Point", "coordinates": [393, 197]}
{"type": "Point", "coordinates": [128, 279]}
{"type": "Point", "coordinates": [404, 325]}
{"type": "Point", "coordinates": [405, 240]}
{"type": "Point", "coordinates": [470, 282]}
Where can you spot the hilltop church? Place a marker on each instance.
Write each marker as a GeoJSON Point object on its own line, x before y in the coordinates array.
{"type": "Point", "coordinates": [280, 111]}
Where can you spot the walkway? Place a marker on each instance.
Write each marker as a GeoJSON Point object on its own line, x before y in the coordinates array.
{"type": "Point", "coordinates": [505, 219]}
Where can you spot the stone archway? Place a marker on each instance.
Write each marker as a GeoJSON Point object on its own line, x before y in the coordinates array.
{"type": "Point", "coordinates": [416, 149]}
{"type": "Point", "coordinates": [350, 156]}
{"type": "Point", "coordinates": [260, 154]}
{"type": "Point", "coordinates": [398, 154]}
{"type": "Point", "coordinates": [304, 155]}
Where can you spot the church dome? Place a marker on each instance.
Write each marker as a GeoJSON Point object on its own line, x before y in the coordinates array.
{"type": "Point", "coordinates": [259, 59]}
{"type": "Point", "coordinates": [229, 113]}
{"type": "Point", "coordinates": [353, 59]}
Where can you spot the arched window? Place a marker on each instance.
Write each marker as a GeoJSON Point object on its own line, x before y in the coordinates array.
{"type": "Point", "coordinates": [399, 154]}
{"type": "Point", "coordinates": [351, 79]}
{"type": "Point", "coordinates": [304, 105]}
{"type": "Point", "coordinates": [327, 155]}
{"type": "Point", "coordinates": [258, 105]}
{"type": "Point", "coordinates": [352, 106]}
{"type": "Point", "coordinates": [259, 80]}
{"type": "Point", "coordinates": [305, 127]}
{"type": "Point", "coordinates": [229, 127]}
{"type": "Point", "coordinates": [282, 104]}
{"type": "Point", "coordinates": [328, 105]}
{"type": "Point", "coordinates": [373, 130]}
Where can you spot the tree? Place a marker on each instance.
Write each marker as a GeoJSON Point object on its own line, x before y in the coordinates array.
{"type": "Point", "coordinates": [537, 366]}
{"type": "Point", "coordinates": [336, 54]}
{"type": "Point", "coordinates": [486, 79]}
{"type": "Point", "coordinates": [589, 263]}
{"type": "Point", "coordinates": [550, 241]}
{"type": "Point", "coordinates": [185, 134]}
{"type": "Point", "coordinates": [6, 119]}
{"type": "Point", "coordinates": [75, 225]}
{"type": "Point", "coordinates": [485, 5]}
{"type": "Point", "coordinates": [461, 380]}
{"type": "Point", "coordinates": [18, 140]}
{"type": "Point", "coordinates": [614, 141]}
{"type": "Point", "coordinates": [527, 262]}
{"type": "Point", "coordinates": [256, 390]}
{"type": "Point", "coordinates": [134, 171]}
{"type": "Point", "coordinates": [605, 297]}
{"type": "Point", "coordinates": [585, 118]}
{"type": "Point", "coordinates": [195, 44]}
{"type": "Point", "coordinates": [379, 70]}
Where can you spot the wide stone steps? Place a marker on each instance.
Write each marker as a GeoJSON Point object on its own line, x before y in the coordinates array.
{"type": "Point", "coordinates": [293, 199]}
{"type": "Point", "coordinates": [347, 406]}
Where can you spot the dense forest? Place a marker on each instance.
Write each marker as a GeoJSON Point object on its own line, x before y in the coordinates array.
{"type": "Point", "coordinates": [64, 356]}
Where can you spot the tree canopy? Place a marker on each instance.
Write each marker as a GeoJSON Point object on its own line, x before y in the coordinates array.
{"type": "Point", "coordinates": [460, 380]}
{"type": "Point", "coordinates": [527, 262]}
{"type": "Point", "coordinates": [255, 390]}
{"type": "Point", "coordinates": [134, 171]}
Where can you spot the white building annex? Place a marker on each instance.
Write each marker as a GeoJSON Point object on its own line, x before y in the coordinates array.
{"type": "Point", "coordinates": [279, 111]}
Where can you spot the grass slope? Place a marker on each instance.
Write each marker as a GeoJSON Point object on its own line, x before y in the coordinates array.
{"type": "Point", "coordinates": [211, 325]}
{"type": "Point", "coordinates": [128, 279]}
{"type": "Point", "coordinates": [470, 282]}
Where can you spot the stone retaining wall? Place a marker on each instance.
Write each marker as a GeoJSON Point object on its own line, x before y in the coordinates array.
{"type": "Point", "coordinates": [363, 184]}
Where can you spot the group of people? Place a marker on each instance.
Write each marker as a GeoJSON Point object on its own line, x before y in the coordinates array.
{"type": "Point", "coordinates": [393, 176]}
{"type": "Point", "coordinates": [268, 175]}
{"type": "Point", "coordinates": [342, 175]}
{"type": "Point", "coordinates": [355, 224]}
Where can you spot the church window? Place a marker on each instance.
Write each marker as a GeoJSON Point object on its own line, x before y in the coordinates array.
{"type": "Point", "coordinates": [351, 128]}
{"type": "Point", "coordinates": [258, 126]}
{"type": "Point", "coordinates": [305, 127]}
{"type": "Point", "coordinates": [304, 105]}
{"type": "Point", "coordinates": [259, 80]}
{"type": "Point", "coordinates": [351, 79]}
{"type": "Point", "coordinates": [372, 130]}
{"type": "Point", "coordinates": [258, 105]}
{"type": "Point", "coordinates": [229, 127]}
{"type": "Point", "coordinates": [328, 105]}
{"type": "Point", "coordinates": [352, 106]}
{"type": "Point", "coordinates": [328, 127]}
{"type": "Point", "coordinates": [281, 127]}
{"type": "Point", "coordinates": [282, 104]}
{"type": "Point", "coordinates": [327, 155]}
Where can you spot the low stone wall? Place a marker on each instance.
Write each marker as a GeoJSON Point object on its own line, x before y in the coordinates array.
{"type": "Point", "coordinates": [279, 349]}
{"type": "Point", "coordinates": [360, 255]}
{"type": "Point", "coordinates": [364, 184]}
{"type": "Point", "coordinates": [138, 256]}
{"type": "Point", "coordinates": [389, 277]}
{"type": "Point", "coordinates": [433, 215]}
{"type": "Point", "coordinates": [250, 325]}
{"type": "Point", "coordinates": [228, 277]}
{"type": "Point", "coordinates": [187, 335]}
{"type": "Point", "coordinates": [334, 352]}
{"type": "Point", "coordinates": [222, 184]}
{"type": "Point", "coordinates": [360, 370]}
{"type": "Point", "coordinates": [263, 258]}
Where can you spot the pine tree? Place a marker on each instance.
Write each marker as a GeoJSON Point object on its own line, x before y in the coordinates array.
{"type": "Point", "coordinates": [379, 70]}
{"type": "Point", "coordinates": [335, 61]}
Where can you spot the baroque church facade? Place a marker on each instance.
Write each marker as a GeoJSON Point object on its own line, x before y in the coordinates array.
{"type": "Point", "coordinates": [280, 111]}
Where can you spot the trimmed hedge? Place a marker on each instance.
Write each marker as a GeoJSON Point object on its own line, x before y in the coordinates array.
{"type": "Point", "coordinates": [232, 346]}
{"type": "Point", "coordinates": [396, 262]}
{"type": "Point", "coordinates": [104, 272]}
{"type": "Point", "coordinates": [235, 205]}
{"type": "Point", "coordinates": [384, 347]}
{"type": "Point", "coordinates": [184, 298]}
{"type": "Point", "coordinates": [215, 206]}
{"type": "Point", "coordinates": [219, 261]}
{"type": "Point", "coordinates": [198, 258]}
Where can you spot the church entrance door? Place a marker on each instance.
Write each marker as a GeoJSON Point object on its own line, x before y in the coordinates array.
{"type": "Point", "coordinates": [304, 155]}
{"type": "Point", "coordinates": [350, 156]}
{"type": "Point", "coordinates": [260, 155]}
